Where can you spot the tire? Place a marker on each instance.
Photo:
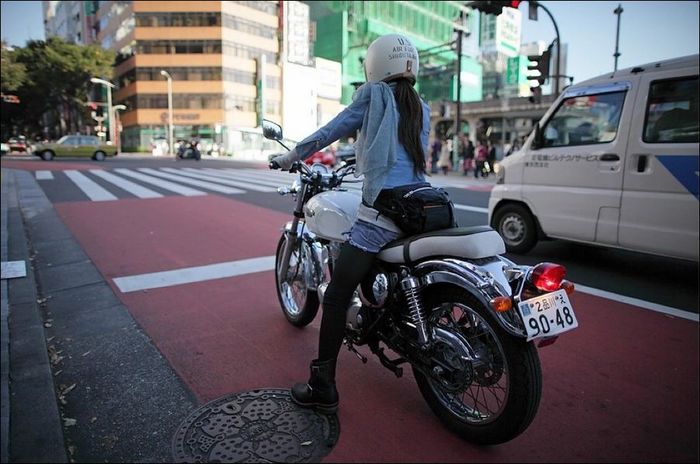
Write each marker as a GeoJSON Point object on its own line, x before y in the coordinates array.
{"type": "Point", "coordinates": [516, 225]}
{"type": "Point", "coordinates": [189, 154]}
{"type": "Point", "coordinates": [47, 155]}
{"type": "Point", "coordinates": [510, 368]}
{"type": "Point", "coordinates": [99, 156]}
{"type": "Point", "coordinates": [299, 304]}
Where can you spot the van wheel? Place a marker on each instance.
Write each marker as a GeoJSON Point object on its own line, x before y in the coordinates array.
{"type": "Point", "coordinates": [517, 227]}
{"type": "Point", "coordinates": [47, 155]}
{"type": "Point", "coordinates": [99, 156]}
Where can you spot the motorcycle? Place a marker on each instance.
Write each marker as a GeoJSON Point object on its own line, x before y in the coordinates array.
{"type": "Point", "coordinates": [189, 150]}
{"type": "Point", "coordinates": [447, 303]}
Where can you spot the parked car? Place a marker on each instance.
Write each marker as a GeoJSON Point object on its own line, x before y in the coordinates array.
{"type": "Point", "coordinates": [345, 152]}
{"type": "Point", "coordinates": [324, 157]}
{"type": "Point", "coordinates": [75, 146]}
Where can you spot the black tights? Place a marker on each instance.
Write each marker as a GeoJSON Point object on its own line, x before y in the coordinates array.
{"type": "Point", "coordinates": [349, 270]}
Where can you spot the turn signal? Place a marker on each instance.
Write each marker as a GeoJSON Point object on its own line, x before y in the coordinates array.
{"type": "Point", "coordinates": [567, 286]}
{"type": "Point", "coordinates": [501, 304]}
{"type": "Point", "coordinates": [547, 276]}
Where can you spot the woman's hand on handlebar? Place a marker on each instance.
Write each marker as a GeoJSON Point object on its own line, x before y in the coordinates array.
{"type": "Point", "coordinates": [285, 161]}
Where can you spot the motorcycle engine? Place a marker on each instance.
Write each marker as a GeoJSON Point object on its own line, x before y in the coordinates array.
{"type": "Point", "coordinates": [375, 288]}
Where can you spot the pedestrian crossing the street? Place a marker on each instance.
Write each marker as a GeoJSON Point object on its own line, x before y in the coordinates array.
{"type": "Point", "coordinates": [121, 183]}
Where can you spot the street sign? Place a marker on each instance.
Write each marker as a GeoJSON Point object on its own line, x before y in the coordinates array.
{"type": "Point", "coordinates": [508, 25]}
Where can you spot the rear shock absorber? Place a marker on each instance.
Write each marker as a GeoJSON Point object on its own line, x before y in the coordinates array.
{"type": "Point", "coordinates": [411, 289]}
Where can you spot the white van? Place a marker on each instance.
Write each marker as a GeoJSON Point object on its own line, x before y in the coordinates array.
{"type": "Point", "coordinates": [613, 162]}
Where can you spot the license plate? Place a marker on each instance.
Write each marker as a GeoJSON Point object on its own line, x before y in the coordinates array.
{"type": "Point", "coordinates": [547, 315]}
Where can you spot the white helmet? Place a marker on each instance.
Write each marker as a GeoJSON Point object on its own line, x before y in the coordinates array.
{"type": "Point", "coordinates": [391, 56]}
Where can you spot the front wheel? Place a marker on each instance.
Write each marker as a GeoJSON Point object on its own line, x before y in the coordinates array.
{"type": "Point", "coordinates": [494, 397]}
{"type": "Point", "coordinates": [517, 227]}
{"type": "Point", "coordinates": [299, 303]}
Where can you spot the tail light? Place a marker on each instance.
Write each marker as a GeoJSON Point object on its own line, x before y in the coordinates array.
{"type": "Point", "coordinates": [547, 277]}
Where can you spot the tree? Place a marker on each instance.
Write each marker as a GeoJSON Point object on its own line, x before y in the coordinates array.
{"type": "Point", "coordinates": [13, 73]}
{"type": "Point", "coordinates": [57, 83]}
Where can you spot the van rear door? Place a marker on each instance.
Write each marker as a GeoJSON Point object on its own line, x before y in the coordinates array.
{"type": "Point", "coordinates": [659, 211]}
{"type": "Point", "coordinates": [573, 181]}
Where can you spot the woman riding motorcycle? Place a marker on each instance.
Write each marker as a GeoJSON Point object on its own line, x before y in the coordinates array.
{"type": "Point", "coordinates": [394, 126]}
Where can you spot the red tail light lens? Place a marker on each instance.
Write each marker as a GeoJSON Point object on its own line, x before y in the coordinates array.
{"type": "Point", "coordinates": [547, 276]}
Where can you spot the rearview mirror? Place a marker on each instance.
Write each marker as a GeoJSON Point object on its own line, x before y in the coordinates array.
{"type": "Point", "coordinates": [271, 130]}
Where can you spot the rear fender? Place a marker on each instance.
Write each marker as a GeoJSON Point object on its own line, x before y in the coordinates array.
{"type": "Point", "coordinates": [481, 281]}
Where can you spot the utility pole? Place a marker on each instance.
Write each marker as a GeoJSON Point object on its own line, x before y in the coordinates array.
{"type": "Point", "coordinates": [458, 74]}
{"type": "Point", "coordinates": [618, 11]}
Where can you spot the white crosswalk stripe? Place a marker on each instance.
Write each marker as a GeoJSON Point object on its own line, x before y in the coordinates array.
{"type": "Point", "coordinates": [164, 184]}
{"type": "Point", "coordinates": [44, 175]}
{"type": "Point", "coordinates": [185, 180]}
{"type": "Point", "coordinates": [89, 187]}
{"type": "Point", "coordinates": [131, 187]}
{"type": "Point", "coordinates": [226, 181]}
{"type": "Point", "coordinates": [214, 177]}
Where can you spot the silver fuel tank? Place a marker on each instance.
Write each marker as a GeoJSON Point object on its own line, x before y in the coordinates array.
{"type": "Point", "coordinates": [331, 214]}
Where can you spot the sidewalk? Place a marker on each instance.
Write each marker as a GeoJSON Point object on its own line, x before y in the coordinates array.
{"type": "Point", "coordinates": [80, 379]}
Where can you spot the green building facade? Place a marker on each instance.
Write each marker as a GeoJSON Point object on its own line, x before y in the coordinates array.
{"type": "Point", "coordinates": [344, 30]}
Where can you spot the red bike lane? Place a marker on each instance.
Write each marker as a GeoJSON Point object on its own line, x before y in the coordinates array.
{"type": "Point", "coordinates": [621, 387]}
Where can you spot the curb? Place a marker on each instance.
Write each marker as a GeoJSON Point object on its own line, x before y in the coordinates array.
{"type": "Point", "coordinates": [32, 430]}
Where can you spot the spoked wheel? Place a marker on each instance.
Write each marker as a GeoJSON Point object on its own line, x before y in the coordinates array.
{"type": "Point", "coordinates": [299, 303]}
{"type": "Point", "coordinates": [491, 399]}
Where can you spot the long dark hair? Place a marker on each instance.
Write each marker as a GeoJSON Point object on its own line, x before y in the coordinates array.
{"type": "Point", "coordinates": [410, 122]}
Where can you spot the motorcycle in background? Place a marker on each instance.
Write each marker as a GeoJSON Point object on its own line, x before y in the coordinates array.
{"type": "Point", "coordinates": [467, 320]}
{"type": "Point", "coordinates": [189, 150]}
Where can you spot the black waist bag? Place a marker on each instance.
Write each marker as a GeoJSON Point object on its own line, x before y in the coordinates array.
{"type": "Point", "coordinates": [417, 208]}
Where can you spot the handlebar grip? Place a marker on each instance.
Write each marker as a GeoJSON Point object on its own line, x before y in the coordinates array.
{"type": "Point", "coordinates": [274, 165]}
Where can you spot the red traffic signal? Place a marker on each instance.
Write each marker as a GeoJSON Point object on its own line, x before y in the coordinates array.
{"type": "Point", "coordinates": [493, 7]}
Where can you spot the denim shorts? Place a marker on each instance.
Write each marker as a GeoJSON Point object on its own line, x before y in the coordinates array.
{"type": "Point", "coordinates": [370, 237]}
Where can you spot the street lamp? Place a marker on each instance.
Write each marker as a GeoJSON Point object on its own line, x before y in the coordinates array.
{"type": "Point", "coordinates": [110, 86]}
{"type": "Point", "coordinates": [118, 125]}
{"type": "Point", "coordinates": [170, 110]}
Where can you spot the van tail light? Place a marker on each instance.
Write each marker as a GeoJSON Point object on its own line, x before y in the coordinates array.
{"type": "Point", "coordinates": [547, 277]}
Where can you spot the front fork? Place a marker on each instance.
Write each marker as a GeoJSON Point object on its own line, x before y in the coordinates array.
{"type": "Point", "coordinates": [292, 236]}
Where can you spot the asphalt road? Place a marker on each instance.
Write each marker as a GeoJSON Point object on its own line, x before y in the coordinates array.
{"type": "Point", "coordinates": [604, 383]}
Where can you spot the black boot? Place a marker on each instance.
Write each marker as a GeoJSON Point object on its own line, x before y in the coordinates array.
{"type": "Point", "coordinates": [320, 392]}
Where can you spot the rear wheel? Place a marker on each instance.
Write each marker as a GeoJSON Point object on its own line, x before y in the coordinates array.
{"type": "Point", "coordinates": [517, 227]}
{"type": "Point", "coordinates": [491, 399]}
{"type": "Point", "coordinates": [299, 303]}
{"type": "Point", "coordinates": [47, 155]}
{"type": "Point", "coordinates": [99, 156]}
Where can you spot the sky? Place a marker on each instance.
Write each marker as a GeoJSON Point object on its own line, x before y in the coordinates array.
{"type": "Point", "coordinates": [649, 31]}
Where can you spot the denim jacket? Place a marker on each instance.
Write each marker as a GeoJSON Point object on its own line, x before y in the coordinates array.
{"type": "Point", "coordinates": [380, 157]}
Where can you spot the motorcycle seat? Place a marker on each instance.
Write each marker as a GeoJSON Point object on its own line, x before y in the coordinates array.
{"type": "Point", "coordinates": [460, 242]}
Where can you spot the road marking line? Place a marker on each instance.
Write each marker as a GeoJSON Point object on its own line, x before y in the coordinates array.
{"type": "Point", "coordinates": [89, 187]}
{"type": "Point", "coordinates": [474, 209]}
{"type": "Point", "coordinates": [44, 175]}
{"type": "Point", "coordinates": [196, 183]}
{"type": "Point", "coordinates": [134, 189]}
{"type": "Point", "coordinates": [267, 263]}
{"type": "Point", "coordinates": [164, 184]}
{"type": "Point", "coordinates": [194, 274]}
{"type": "Point", "coordinates": [637, 302]}
{"type": "Point", "coordinates": [220, 178]}
{"type": "Point", "coordinates": [246, 178]}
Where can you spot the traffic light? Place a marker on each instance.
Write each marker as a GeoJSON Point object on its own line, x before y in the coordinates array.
{"type": "Point", "coordinates": [538, 72]}
{"type": "Point", "coordinates": [493, 7]}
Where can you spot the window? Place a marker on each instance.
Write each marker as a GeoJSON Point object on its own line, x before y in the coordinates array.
{"type": "Point", "coordinates": [585, 120]}
{"type": "Point", "coordinates": [672, 111]}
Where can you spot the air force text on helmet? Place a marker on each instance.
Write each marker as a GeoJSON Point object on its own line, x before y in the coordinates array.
{"type": "Point", "coordinates": [403, 50]}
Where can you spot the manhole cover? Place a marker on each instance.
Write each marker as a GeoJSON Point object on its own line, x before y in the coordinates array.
{"type": "Point", "coordinates": [255, 426]}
